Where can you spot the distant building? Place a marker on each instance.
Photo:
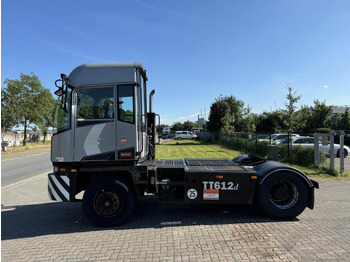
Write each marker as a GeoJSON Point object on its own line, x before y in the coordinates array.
{"type": "Point", "coordinates": [340, 109]}
{"type": "Point", "coordinates": [166, 130]}
{"type": "Point", "coordinates": [15, 137]}
{"type": "Point", "coordinates": [200, 122]}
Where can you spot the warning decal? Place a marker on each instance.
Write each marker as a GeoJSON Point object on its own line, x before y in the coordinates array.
{"type": "Point", "coordinates": [210, 194]}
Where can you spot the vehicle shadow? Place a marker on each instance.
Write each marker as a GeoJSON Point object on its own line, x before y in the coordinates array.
{"type": "Point", "coordinates": [60, 218]}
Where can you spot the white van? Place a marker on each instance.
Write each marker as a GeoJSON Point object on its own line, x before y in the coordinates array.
{"type": "Point", "coordinates": [184, 135]}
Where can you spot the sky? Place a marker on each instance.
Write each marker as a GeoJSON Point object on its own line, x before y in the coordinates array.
{"type": "Point", "coordinates": [193, 51]}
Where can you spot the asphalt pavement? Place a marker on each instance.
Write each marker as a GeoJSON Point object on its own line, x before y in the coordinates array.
{"type": "Point", "coordinates": [17, 169]}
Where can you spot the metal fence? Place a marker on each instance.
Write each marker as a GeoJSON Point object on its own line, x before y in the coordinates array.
{"type": "Point", "coordinates": [266, 145]}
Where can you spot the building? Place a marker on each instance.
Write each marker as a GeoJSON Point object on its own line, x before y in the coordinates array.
{"type": "Point", "coordinates": [340, 109]}
{"type": "Point", "coordinates": [166, 130]}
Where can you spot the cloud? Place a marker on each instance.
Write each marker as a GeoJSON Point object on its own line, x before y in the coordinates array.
{"type": "Point", "coordinates": [169, 120]}
{"type": "Point", "coordinates": [59, 48]}
{"type": "Point", "coordinates": [325, 86]}
{"type": "Point", "coordinates": [170, 12]}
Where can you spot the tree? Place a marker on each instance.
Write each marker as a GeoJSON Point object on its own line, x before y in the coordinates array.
{"type": "Point", "coordinates": [344, 123]}
{"type": "Point", "coordinates": [219, 117]}
{"type": "Point", "coordinates": [226, 115]}
{"type": "Point", "coordinates": [9, 114]}
{"type": "Point", "coordinates": [268, 122]}
{"type": "Point", "coordinates": [236, 111]}
{"type": "Point", "coordinates": [47, 119]}
{"type": "Point", "coordinates": [248, 121]}
{"type": "Point", "coordinates": [291, 121]}
{"type": "Point", "coordinates": [28, 100]}
{"type": "Point", "coordinates": [320, 117]}
{"type": "Point", "coordinates": [335, 121]}
{"type": "Point", "coordinates": [188, 125]}
{"type": "Point", "coordinates": [177, 126]}
{"type": "Point", "coordinates": [304, 118]}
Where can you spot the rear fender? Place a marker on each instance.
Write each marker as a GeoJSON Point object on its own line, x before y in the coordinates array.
{"type": "Point", "coordinates": [270, 168]}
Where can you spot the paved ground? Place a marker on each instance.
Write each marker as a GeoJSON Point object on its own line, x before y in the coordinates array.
{"type": "Point", "coordinates": [34, 229]}
{"type": "Point", "coordinates": [14, 170]}
{"type": "Point", "coordinates": [337, 163]}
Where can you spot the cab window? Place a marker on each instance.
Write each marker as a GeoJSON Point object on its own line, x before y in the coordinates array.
{"type": "Point", "coordinates": [95, 104]}
{"type": "Point", "coordinates": [126, 103]}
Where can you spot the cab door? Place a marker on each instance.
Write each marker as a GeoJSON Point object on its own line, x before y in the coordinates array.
{"type": "Point", "coordinates": [95, 118]}
{"type": "Point", "coordinates": [127, 135]}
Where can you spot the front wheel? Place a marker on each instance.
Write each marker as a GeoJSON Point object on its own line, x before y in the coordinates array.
{"type": "Point", "coordinates": [108, 201]}
{"type": "Point", "coordinates": [283, 196]}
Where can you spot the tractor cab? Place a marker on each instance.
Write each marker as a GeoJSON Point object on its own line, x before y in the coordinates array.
{"type": "Point", "coordinates": [102, 115]}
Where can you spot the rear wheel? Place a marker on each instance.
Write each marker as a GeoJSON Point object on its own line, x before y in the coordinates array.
{"type": "Point", "coordinates": [345, 153]}
{"type": "Point", "coordinates": [283, 196]}
{"type": "Point", "coordinates": [108, 201]}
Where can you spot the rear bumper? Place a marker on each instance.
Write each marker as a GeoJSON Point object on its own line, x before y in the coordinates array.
{"type": "Point", "coordinates": [59, 187]}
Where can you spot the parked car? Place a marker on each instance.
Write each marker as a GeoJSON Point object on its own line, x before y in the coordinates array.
{"type": "Point", "coordinates": [184, 135]}
{"type": "Point", "coordinates": [8, 143]}
{"type": "Point", "coordinates": [309, 142]}
{"type": "Point", "coordinates": [277, 138]}
{"type": "Point", "coordinates": [261, 137]}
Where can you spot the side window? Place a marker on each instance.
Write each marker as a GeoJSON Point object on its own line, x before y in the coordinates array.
{"type": "Point", "coordinates": [310, 141]}
{"type": "Point", "coordinates": [299, 141]}
{"type": "Point", "coordinates": [95, 103]}
{"type": "Point", "coordinates": [143, 120]}
{"type": "Point", "coordinates": [184, 133]}
{"type": "Point", "coordinates": [126, 103]}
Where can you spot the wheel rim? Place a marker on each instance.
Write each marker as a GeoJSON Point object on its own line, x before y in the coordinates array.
{"type": "Point", "coordinates": [107, 203]}
{"type": "Point", "coordinates": [284, 194]}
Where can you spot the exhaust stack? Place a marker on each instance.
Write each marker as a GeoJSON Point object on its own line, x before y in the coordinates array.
{"type": "Point", "coordinates": [151, 100]}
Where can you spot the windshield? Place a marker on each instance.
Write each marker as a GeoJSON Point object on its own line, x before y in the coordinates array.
{"type": "Point", "coordinates": [62, 118]}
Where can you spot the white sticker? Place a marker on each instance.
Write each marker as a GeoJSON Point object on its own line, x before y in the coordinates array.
{"type": "Point", "coordinates": [192, 193]}
{"type": "Point", "coordinates": [210, 194]}
{"type": "Point", "coordinates": [59, 159]}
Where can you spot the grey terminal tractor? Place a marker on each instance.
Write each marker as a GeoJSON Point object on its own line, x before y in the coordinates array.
{"type": "Point", "coordinates": [104, 145]}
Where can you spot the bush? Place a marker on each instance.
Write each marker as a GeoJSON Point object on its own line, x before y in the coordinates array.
{"type": "Point", "coordinates": [328, 171]}
{"type": "Point", "coordinates": [241, 142]}
{"type": "Point", "coordinates": [299, 155]}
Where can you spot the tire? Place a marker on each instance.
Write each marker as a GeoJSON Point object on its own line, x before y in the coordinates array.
{"type": "Point", "coordinates": [345, 153]}
{"type": "Point", "coordinates": [108, 201]}
{"type": "Point", "coordinates": [283, 196]}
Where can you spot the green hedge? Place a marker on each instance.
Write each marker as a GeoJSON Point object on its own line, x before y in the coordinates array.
{"type": "Point", "coordinates": [299, 155]}
{"type": "Point", "coordinates": [241, 142]}
{"type": "Point", "coordinates": [303, 156]}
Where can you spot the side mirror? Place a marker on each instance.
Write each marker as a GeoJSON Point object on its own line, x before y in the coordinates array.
{"type": "Point", "coordinates": [59, 92]}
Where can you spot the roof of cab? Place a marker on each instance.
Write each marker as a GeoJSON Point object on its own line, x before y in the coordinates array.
{"type": "Point", "coordinates": [104, 73]}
